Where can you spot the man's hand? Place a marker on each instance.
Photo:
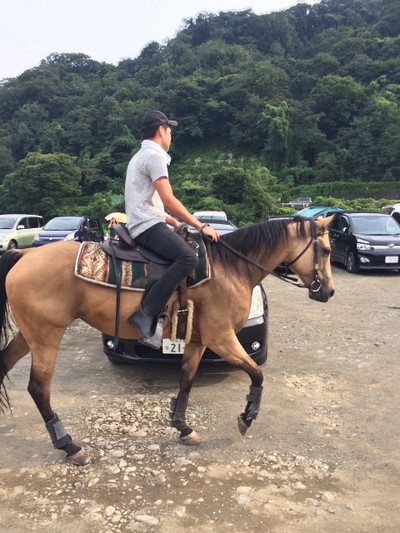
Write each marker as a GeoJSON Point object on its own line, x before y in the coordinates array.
{"type": "Point", "coordinates": [210, 232]}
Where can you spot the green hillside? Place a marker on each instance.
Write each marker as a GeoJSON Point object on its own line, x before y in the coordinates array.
{"type": "Point", "coordinates": [301, 102]}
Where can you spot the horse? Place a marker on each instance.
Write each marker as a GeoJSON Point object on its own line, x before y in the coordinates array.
{"type": "Point", "coordinates": [41, 294]}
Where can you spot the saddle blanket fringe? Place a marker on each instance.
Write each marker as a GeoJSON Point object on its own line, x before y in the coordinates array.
{"type": "Point", "coordinates": [94, 265]}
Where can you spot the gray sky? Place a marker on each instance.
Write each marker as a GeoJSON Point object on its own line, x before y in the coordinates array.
{"type": "Point", "coordinates": [106, 30]}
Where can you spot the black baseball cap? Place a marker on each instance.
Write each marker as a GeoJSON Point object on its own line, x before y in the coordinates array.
{"type": "Point", "coordinates": [153, 119]}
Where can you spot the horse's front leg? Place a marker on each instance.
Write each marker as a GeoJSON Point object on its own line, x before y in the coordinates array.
{"type": "Point", "coordinates": [230, 350]}
{"type": "Point", "coordinates": [190, 364]}
{"type": "Point", "coordinates": [43, 363]}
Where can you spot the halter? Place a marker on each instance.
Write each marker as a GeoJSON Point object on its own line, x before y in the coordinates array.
{"type": "Point", "coordinates": [314, 286]}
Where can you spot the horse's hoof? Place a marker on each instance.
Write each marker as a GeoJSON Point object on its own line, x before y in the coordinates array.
{"type": "Point", "coordinates": [242, 426]}
{"type": "Point", "coordinates": [193, 439]}
{"type": "Point", "coordinates": [80, 458]}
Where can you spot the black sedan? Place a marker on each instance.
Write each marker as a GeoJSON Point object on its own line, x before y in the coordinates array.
{"type": "Point", "coordinates": [365, 241]}
{"type": "Point", "coordinates": [253, 336]}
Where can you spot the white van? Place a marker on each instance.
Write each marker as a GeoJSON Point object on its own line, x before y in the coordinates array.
{"type": "Point", "coordinates": [390, 209]}
{"type": "Point", "coordinates": [18, 231]}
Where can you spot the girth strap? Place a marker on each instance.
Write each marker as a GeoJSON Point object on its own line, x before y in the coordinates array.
{"type": "Point", "coordinates": [117, 295]}
{"type": "Point", "coordinates": [182, 313]}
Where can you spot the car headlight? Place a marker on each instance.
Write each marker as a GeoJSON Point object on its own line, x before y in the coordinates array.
{"type": "Point", "coordinates": [257, 303]}
{"type": "Point", "coordinates": [363, 245]}
{"type": "Point", "coordinates": [70, 236]}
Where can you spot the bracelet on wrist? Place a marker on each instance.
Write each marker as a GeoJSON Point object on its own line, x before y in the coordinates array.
{"type": "Point", "coordinates": [204, 226]}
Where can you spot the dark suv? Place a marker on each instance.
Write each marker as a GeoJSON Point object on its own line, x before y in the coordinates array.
{"type": "Point", "coordinates": [365, 241]}
{"type": "Point", "coordinates": [253, 337]}
{"type": "Point", "coordinates": [70, 229]}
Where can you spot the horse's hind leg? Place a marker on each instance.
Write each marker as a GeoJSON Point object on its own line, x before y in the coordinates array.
{"type": "Point", "coordinates": [231, 351]}
{"type": "Point", "coordinates": [190, 364]}
{"type": "Point", "coordinates": [43, 363]}
{"type": "Point", "coordinates": [14, 351]}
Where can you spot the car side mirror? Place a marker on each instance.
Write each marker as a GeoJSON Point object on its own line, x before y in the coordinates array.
{"type": "Point", "coordinates": [346, 229]}
{"type": "Point", "coordinates": [20, 226]}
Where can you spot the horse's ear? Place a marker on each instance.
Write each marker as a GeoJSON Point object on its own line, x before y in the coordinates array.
{"type": "Point", "coordinates": [324, 222]}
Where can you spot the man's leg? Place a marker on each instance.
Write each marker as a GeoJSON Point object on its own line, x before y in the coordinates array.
{"type": "Point", "coordinates": [166, 243]}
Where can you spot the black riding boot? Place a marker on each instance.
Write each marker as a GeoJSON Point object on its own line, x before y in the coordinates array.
{"type": "Point", "coordinates": [149, 326]}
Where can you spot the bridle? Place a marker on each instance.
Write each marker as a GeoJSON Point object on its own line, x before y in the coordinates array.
{"type": "Point", "coordinates": [314, 286]}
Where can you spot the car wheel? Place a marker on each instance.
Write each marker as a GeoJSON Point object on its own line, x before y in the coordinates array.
{"type": "Point", "coordinates": [12, 245]}
{"type": "Point", "coordinates": [351, 263]}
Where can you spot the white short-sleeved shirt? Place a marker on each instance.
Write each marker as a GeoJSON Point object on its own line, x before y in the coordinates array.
{"type": "Point", "coordinates": [143, 205]}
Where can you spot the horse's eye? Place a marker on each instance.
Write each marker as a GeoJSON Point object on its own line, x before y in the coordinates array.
{"type": "Point", "coordinates": [326, 252]}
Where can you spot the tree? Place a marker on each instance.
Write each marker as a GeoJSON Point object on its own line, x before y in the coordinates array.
{"type": "Point", "coordinates": [229, 184]}
{"type": "Point", "coordinates": [7, 162]}
{"type": "Point", "coordinates": [46, 184]}
{"type": "Point", "coordinates": [275, 121]}
{"type": "Point", "coordinates": [249, 195]}
{"type": "Point", "coordinates": [373, 139]}
{"type": "Point", "coordinates": [339, 99]}
{"type": "Point", "coordinates": [313, 92]}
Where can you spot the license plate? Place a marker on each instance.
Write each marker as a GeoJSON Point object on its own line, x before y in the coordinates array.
{"type": "Point", "coordinates": [173, 347]}
{"type": "Point", "coordinates": [391, 259]}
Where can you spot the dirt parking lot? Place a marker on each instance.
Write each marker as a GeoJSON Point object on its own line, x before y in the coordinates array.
{"type": "Point", "coordinates": [323, 454]}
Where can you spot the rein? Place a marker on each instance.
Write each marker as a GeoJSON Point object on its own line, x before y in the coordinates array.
{"type": "Point", "coordinates": [314, 286]}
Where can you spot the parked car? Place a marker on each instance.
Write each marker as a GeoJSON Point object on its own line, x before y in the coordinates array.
{"type": "Point", "coordinates": [365, 241]}
{"type": "Point", "coordinates": [70, 229]}
{"type": "Point", "coordinates": [211, 215]}
{"type": "Point", "coordinates": [18, 231]}
{"type": "Point", "coordinates": [253, 336]}
{"type": "Point", "coordinates": [315, 211]}
{"type": "Point", "coordinates": [220, 224]}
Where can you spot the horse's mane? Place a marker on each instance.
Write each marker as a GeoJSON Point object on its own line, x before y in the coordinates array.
{"type": "Point", "coordinates": [268, 234]}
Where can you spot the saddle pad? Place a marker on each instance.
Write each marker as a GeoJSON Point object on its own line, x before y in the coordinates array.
{"type": "Point", "coordinates": [93, 264]}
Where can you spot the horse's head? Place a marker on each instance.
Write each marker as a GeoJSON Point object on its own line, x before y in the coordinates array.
{"type": "Point", "coordinates": [310, 259]}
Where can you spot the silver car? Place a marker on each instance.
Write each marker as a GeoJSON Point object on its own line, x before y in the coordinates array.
{"type": "Point", "coordinates": [18, 231]}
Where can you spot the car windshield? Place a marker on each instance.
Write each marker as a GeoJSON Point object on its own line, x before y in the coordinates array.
{"type": "Point", "coordinates": [376, 225]}
{"type": "Point", "coordinates": [62, 224]}
{"type": "Point", "coordinates": [7, 223]}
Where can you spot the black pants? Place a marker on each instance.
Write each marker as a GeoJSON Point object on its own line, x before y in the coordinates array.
{"type": "Point", "coordinates": [163, 241]}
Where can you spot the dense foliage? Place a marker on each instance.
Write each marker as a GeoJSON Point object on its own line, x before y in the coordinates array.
{"type": "Point", "coordinates": [268, 105]}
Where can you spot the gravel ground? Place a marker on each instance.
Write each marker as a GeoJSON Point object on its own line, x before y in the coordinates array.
{"type": "Point", "coordinates": [323, 454]}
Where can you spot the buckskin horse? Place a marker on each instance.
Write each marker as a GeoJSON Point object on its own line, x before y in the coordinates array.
{"type": "Point", "coordinates": [39, 289]}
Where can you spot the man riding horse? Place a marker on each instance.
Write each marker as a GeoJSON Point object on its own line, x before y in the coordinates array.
{"type": "Point", "coordinates": [147, 192]}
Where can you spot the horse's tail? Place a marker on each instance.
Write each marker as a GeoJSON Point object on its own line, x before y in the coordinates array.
{"type": "Point", "coordinates": [7, 261]}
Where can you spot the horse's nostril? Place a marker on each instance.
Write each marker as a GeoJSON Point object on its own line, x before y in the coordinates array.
{"type": "Point", "coordinates": [331, 293]}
